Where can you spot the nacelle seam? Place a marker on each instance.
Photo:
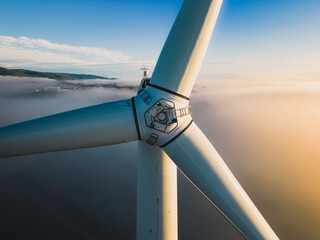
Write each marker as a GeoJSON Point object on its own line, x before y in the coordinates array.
{"type": "Point", "coordinates": [136, 118]}
{"type": "Point", "coordinates": [176, 136]}
{"type": "Point", "coordinates": [168, 91]}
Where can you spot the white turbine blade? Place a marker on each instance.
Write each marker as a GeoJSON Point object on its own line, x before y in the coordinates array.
{"type": "Point", "coordinates": [182, 55]}
{"type": "Point", "coordinates": [198, 160]}
{"type": "Point", "coordinates": [157, 210]}
{"type": "Point", "coordinates": [99, 125]}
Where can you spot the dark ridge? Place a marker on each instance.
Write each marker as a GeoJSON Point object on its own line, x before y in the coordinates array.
{"type": "Point", "coordinates": [56, 76]}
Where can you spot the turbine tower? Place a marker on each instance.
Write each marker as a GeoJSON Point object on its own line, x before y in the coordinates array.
{"type": "Point", "coordinates": [159, 117]}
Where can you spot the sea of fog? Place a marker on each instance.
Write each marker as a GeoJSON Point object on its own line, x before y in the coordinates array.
{"type": "Point", "coordinates": [267, 132]}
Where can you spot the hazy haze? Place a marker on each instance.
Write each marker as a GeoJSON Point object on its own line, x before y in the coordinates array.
{"type": "Point", "coordinates": [267, 132]}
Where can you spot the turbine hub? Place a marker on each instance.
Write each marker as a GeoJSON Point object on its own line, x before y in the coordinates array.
{"type": "Point", "coordinates": [161, 115]}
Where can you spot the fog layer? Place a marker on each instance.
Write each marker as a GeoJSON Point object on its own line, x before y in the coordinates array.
{"type": "Point", "coordinates": [267, 132]}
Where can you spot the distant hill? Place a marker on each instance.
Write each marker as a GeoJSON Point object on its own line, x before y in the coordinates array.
{"type": "Point", "coordinates": [57, 76]}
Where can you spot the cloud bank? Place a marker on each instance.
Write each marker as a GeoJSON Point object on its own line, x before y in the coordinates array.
{"type": "Point", "coordinates": [38, 53]}
{"type": "Point", "coordinates": [32, 43]}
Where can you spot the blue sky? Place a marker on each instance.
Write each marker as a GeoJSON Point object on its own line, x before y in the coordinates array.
{"type": "Point", "coordinates": [252, 39]}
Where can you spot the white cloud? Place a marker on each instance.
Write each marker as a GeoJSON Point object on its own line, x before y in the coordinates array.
{"type": "Point", "coordinates": [37, 53]}
{"type": "Point", "coordinates": [12, 53]}
{"type": "Point", "coordinates": [42, 44]}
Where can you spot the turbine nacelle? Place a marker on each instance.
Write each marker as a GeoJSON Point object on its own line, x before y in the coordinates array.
{"type": "Point", "coordinates": [161, 115]}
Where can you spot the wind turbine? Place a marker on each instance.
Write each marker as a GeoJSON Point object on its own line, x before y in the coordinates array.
{"type": "Point", "coordinates": [159, 116]}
